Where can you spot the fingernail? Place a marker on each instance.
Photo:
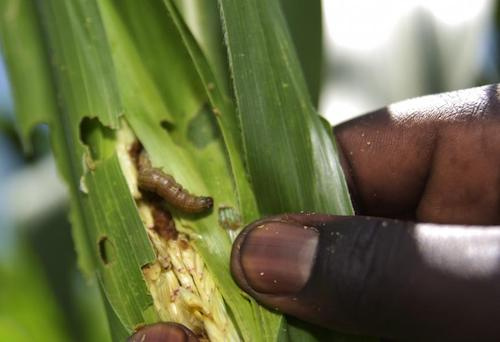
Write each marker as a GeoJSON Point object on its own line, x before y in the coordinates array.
{"type": "Point", "coordinates": [163, 332]}
{"type": "Point", "coordinates": [277, 257]}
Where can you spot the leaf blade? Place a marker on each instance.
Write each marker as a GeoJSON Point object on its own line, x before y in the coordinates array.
{"type": "Point", "coordinates": [274, 106]}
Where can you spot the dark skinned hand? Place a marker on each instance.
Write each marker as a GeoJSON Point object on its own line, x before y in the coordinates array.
{"type": "Point", "coordinates": [422, 261]}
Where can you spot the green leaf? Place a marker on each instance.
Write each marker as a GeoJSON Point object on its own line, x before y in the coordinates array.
{"type": "Point", "coordinates": [28, 309]}
{"type": "Point", "coordinates": [305, 25]}
{"type": "Point", "coordinates": [224, 110]}
{"type": "Point", "coordinates": [201, 21]}
{"type": "Point", "coordinates": [121, 250]}
{"type": "Point", "coordinates": [25, 55]}
{"type": "Point", "coordinates": [81, 64]}
{"type": "Point", "coordinates": [85, 85]}
{"type": "Point", "coordinates": [292, 159]}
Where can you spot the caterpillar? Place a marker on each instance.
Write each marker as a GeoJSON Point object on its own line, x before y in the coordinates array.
{"type": "Point", "coordinates": [164, 185]}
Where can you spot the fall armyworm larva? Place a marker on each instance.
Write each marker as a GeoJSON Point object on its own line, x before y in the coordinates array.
{"type": "Point", "coordinates": [164, 185]}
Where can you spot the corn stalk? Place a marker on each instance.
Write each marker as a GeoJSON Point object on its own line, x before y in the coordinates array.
{"type": "Point", "coordinates": [232, 121]}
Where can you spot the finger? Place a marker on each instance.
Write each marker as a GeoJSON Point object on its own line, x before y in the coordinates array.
{"type": "Point", "coordinates": [434, 158]}
{"type": "Point", "coordinates": [375, 276]}
{"type": "Point", "coordinates": [163, 332]}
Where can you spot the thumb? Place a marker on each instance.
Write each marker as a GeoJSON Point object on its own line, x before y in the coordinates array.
{"type": "Point", "coordinates": [374, 276]}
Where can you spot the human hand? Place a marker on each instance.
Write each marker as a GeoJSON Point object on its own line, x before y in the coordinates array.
{"type": "Point", "coordinates": [434, 159]}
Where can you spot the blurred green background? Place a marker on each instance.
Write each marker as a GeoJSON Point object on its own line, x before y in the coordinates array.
{"type": "Point", "coordinates": [375, 53]}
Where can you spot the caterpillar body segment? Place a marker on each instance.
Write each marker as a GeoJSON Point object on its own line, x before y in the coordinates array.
{"type": "Point", "coordinates": [164, 185]}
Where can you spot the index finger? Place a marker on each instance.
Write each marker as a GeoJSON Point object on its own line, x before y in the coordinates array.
{"type": "Point", "coordinates": [435, 158]}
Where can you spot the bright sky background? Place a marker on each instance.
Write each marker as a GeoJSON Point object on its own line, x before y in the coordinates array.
{"type": "Point", "coordinates": [375, 49]}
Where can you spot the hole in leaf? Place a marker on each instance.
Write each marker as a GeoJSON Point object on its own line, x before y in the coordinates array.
{"type": "Point", "coordinates": [106, 250]}
{"type": "Point", "coordinates": [99, 139]}
{"type": "Point", "coordinates": [203, 129]}
{"type": "Point", "coordinates": [167, 126]}
{"type": "Point", "coordinates": [173, 131]}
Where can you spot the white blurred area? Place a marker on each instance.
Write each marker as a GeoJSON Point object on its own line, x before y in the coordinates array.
{"type": "Point", "coordinates": [33, 191]}
{"type": "Point", "coordinates": [382, 51]}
